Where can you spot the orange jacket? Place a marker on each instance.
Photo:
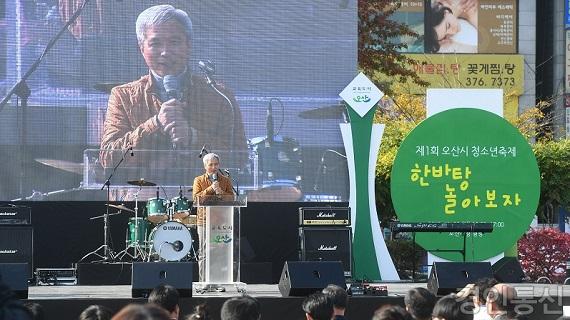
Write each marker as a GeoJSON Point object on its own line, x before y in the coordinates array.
{"type": "Point", "coordinates": [203, 186]}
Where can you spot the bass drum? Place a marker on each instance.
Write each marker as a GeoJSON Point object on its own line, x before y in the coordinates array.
{"type": "Point", "coordinates": [171, 240]}
{"type": "Point", "coordinates": [280, 169]}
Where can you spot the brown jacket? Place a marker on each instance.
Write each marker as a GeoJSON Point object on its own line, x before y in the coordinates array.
{"type": "Point", "coordinates": [203, 187]}
{"type": "Point", "coordinates": [131, 121]}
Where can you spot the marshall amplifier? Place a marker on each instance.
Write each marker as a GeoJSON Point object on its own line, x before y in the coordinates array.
{"type": "Point", "coordinates": [15, 215]}
{"type": "Point", "coordinates": [324, 216]}
{"type": "Point", "coordinates": [327, 244]}
{"type": "Point", "coordinates": [16, 245]}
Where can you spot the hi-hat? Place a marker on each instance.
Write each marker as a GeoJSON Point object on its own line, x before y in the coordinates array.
{"type": "Point", "coordinates": [69, 166]}
{"type": "Point", "coordinates": [120, 207]}
{"type": "Point", "coordinates": [337, 111]}
{"type": "Point", "coordinates": [141, 183]}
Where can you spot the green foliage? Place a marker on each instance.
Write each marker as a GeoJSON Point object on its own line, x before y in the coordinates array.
{"type": "Point", "coordinates": [402, 251]}
{"type": "Point", "coordinates": [378, 50]}
{"type": "Point", "coordinates": [553, 159]}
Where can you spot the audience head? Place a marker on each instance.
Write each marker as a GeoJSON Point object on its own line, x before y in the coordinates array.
{"type": "Point", "coordinates": [338, 296]}
{"type": "Point", "coordinates": [482, 287]}
{"type": "Point", "coordinates": [452, 307]}
{"type": "Point", "coordinates": [200, 312]}
{"type": "Point", "coordinates": [419, 303]}
{"type": "Point", "coordinates": [500, 299]}
{"type": "Point", "coordinates": [389, 312]}
{"type": "Point", "coordinates": [10, 306]}
{"type": "Point", "coordinates": [241, 308]}
{"type": "Point", "coordinates": [318, 306]}
{"type": "Point", "coordinates": [167, 297]}
{"type": "Point", "coordinates": [142, 312]}
{"type": "Point", "coordinates": [36, 310]}
{"type": "Point", "coordinates": [96, 312]}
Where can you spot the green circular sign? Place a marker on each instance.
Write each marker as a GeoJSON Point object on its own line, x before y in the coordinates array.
{"type": "Point", "coordinates": [466, 165]}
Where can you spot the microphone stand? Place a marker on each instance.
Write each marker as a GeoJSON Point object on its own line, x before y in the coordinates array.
{"type": "Point", "coordinates": [108, 255]}
{"type": "Point", "coordinates": [22, 90]}
{"type": "Point", "coordinates": [209, 69]}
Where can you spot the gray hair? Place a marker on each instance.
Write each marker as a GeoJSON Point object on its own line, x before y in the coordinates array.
{"type": "Point", "coordinates": [160, 14]}
{"type": "Point", "coordinates": [209, 157]}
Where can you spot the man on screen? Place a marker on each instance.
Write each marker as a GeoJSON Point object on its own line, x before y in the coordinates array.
{"type": "Point", "coordinates": [170, 108]}
{"type": "Point", "coordinates": [208, 184]}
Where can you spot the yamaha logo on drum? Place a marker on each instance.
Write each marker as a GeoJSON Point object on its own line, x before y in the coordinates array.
{"type": "Point", "coordinates": [327, 248]}
{"type": "Point", "coordinates": [172, 227]}
{"type": "Point", "coordinates": [8, 251]}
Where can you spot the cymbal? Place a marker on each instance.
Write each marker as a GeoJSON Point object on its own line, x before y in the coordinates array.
{"type": "Point", "coordinates": [120, 207]}
{"type": "Point", "coordinates": [69, 166]}
{"type": "Point", "coordinates": [141, 183]}
{"type": "Point", "coordinates": [328, 112]}
{"type": "Point", "coordinates": [106, 86]}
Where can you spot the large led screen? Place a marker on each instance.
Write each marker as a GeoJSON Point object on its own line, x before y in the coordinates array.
{"type": "Point", "coordinates": [260, 89]}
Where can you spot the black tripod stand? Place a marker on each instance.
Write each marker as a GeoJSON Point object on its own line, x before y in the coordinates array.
{"type": "Point", "coordinates": [108, 254]}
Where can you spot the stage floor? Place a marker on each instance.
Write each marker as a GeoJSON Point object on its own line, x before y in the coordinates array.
{"type": "Point", "coordinates": [524, 290]}
{"type": "Point", "coordinates": [542, 301]}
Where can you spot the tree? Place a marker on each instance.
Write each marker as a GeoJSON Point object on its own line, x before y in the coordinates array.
{"type": "Point", "coordinates": [378, 52]}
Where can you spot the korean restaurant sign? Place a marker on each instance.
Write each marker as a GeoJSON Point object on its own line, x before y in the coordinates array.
{"type": "Point", "coordinates": [466, 165]}
{"type": "Point", "coordinates": [473, 71]}
{"type": "Point", "coordinates": [488, 27]}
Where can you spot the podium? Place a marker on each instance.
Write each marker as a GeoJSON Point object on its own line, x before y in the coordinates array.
{"type": "Point", "coordinates": [222, 258]}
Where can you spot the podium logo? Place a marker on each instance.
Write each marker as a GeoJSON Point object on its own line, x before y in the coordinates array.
{"type": "Point", "coordinates": [222, 239]}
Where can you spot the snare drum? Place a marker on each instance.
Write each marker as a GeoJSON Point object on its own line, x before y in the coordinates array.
{"type": "Point", "coordinates": [141, 229]}
{"type": "Point", "coordinates": [171, 240]}
{"type": "Point", "coordinates": [156, 210]}
{"type": "Point", "coordinates": [181, 208]}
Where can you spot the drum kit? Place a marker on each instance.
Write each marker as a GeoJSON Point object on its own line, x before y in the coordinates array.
{"type": "Point", "coordinates": [164, 231]}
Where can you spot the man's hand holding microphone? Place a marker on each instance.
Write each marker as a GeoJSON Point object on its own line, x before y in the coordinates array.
{"type": "Point", "coordinates": [173, 123]}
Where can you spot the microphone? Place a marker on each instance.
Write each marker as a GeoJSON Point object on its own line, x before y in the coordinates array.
{"type": "Point", "coordinates": [203, 151]}
{"type": "Point", "coordinates": [172, 87]}
{"type": "Point", "coordinates": [269, 123]}
{"type": "Point", "coordinates": [132, 153]}
{"type": "Point", "coordinates": [157, 192]}
{"type": "Point", "coordinates": [209, 69]}
{"type": "Point", "coordinates": [215, 176]}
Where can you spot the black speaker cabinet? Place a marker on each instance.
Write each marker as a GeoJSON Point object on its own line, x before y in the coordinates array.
{"type": "Point", "coordinates": [15, 276]}
{"type": "Point", "coordinates": [148, 275]}
{"type": "Point", "coordinates": [327, 244]}
{"type": "Point", "coordinates": [508, 270]}
{"type": "Point", "coordinates": [302, 278]}
{"type": "Point", "coordinates": [448, 277]}
{"type": "Point", "coordinates": [16, 245]}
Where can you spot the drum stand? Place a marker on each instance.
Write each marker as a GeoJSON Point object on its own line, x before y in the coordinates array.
{"type": "Point", "coordinates": [108, 254]}
{"type": "Point", "coordinates": [138, 252]}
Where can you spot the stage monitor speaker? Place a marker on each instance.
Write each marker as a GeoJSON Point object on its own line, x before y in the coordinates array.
{"type": "Point", "coordinates": [16, 245]}
{"type": "Point", "coordinates": [327, 244]}
{"type": "Point", "coordinates": [302, 278]}
{"type": "Point", "coordinates": [15, 276]}
{"type": "Point", "coordinates": [449, 277]}
{"type": "Point", "coordinates": [508, 270]}
{"type": "Point", "coordinates": [148, 275]}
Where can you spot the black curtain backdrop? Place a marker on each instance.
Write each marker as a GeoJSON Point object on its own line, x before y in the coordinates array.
{"type": "Point", "coordinates": [64, 232]}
